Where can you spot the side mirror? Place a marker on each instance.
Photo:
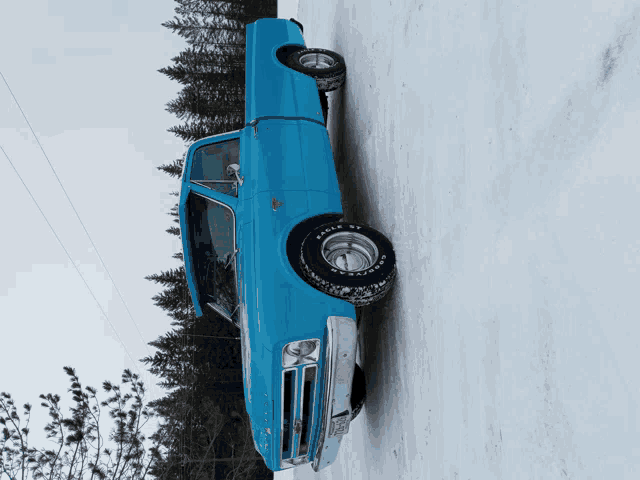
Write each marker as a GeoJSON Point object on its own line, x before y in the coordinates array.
{"type": "Point", "coordinates": [232, 170]}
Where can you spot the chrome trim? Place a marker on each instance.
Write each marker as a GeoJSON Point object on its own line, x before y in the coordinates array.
{"type": "Point", "coordinates": [349, 251]}
{"type": "Point", "coordinates": [319, 61]}
{"type": "Point", "coordinates": [294, 398]}
{"type": "Point", "coordinates": [203, 183]}
{"type": "Point", "coordinates": [235, 168]}
{"type": "Point", "coordinates": [339, 367]}
{"type": "Point", "coordinates": [312, 393]}
{"type": "Point", "coordinates": [224, 205]}
{"type": "Point", "coordinates": [213, 181]}
{"type": "Point", "coordinates": [296, 425]}
{"type": "Point", "coordinates": [311, 358]}
{"type": "Point", "coordinates": [293, 462]}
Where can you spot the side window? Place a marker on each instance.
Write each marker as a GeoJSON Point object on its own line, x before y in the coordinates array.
{"type": "Point", "coordinates": [211, 234]}
{"type": "Point", "coordinates": [209, 166]}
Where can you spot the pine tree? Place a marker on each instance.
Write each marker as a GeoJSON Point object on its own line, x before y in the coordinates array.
{"type": "Point", "coordinates": [175, 299]}
{"type": "Point", "coordinates": [173, 169]}
{"type": "Point", "coordinates": [207, 30]}
{"type": "Point", "coordinates": [221, 8]}
{"type": "Point", "coordinates": [210, 57]}
{"type": "Point", "coordinates": [203, 103]}
{"type": "Point", "coordinates": [191, 131]}
{"type": "Point", "coordinates": [173, 231]}
{"type": "Point", "coordinates": [203, 74]}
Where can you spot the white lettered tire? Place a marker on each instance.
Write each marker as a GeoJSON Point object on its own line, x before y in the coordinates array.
{"type": "Point", "coordinates": [348, 261]}
{"type": "Point", "coordinates": [327, 67]}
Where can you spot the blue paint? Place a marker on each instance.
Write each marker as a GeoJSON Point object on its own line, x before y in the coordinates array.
{"type": "Point", "coordinates": [284, 154]}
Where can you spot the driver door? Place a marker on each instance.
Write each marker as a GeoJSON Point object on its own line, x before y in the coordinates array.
{"type": "Point", "coordinates": [213, 250]}
{"type": "Point", "coordinates": [214, 225]}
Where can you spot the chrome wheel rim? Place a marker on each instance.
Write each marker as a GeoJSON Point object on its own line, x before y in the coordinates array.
{"type": "Point", "coordinates": [349, 251]}
{"type": "Point", "coordinates": [317, 60]}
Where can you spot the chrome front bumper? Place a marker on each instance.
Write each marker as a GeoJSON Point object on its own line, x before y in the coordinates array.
{"type": "Point", "coordinates": [336, 408]}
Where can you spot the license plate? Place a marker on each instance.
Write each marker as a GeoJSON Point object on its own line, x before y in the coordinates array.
{"type": "Point", "coordinates": [339, 424]}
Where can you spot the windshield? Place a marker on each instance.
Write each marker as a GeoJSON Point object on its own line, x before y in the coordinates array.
{"type": "Point", "coordinates": [211, 228]}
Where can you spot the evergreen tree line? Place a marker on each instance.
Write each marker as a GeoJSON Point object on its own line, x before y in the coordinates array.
{"type": "Point", "coordinates": [199, 361]}
{"type": "Point", "coordinates": [203, 431]}
{"type": "Point", "coordinates": [211, 68]}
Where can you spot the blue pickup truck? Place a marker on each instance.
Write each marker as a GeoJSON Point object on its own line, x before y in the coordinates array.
{"type": "Point", "coordinates": [266, 247]}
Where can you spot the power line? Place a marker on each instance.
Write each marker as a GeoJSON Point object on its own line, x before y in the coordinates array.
{"type": "Point", "coordinates": [71, 260]}
{"type": "Point", "coordinates": [76, 212]}
{"type": "Point", "coordinates": [205, 336]}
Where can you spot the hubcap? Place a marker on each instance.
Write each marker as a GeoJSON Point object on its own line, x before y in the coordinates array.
{"type": "Point", "coordinates": [317, 60]}
{"type": "Point", "coordinates": [349, 251]}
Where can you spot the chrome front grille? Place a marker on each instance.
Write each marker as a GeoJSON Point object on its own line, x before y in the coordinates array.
{"type": "Point", "coordinates": [289, 395]}
{"type": "Point", "coordinates": [299, 386]}
{"type": "Point", "coordinates": [308, 395]}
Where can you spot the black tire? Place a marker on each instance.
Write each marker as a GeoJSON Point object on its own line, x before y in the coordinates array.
{"type": "Point", "coordinates": [324, 103]}
{"type": "Point", "coordinates": [358, 392]}
{"type": "Point", "coordinates": [325, 255]}
{"type": "Point", "coordinates": [300, 232]}
{"type": "Point", "coordinates": [327, 67]}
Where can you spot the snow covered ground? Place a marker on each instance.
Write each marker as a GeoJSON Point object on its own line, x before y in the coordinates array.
{"type": "Point", "coordinates": [496, 144]}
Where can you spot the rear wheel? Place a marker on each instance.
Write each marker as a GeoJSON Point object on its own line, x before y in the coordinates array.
{"type": "Point", "coordinates": [326, 67]}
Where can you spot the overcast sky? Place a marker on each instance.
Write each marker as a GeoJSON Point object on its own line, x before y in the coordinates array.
{"type": "Point", "coordinates": [85, 74]}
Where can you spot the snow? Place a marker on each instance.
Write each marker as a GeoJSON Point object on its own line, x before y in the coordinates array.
{"type": "Point", "coordinates": [496, 145]}
{"type": "Point", "coordinates": [288, 9]}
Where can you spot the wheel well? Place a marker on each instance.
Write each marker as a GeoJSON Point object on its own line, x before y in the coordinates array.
{"type": "Point", "coordinates": [300, 232]}
{"type": "Point", "coordinates": [284, 51]}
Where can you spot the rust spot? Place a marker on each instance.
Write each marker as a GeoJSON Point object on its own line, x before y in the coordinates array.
{"type": "Point", "coordinates": [275, 204]}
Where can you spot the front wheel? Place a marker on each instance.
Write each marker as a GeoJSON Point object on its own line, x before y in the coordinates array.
{"type": "Point", "coordinates": [348, 261]}
{"type": "Point", "coordinates": [326, 67]}
{"type": "Point", "coordinates": [358, 392]}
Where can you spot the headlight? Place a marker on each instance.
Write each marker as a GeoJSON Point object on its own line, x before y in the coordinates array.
{"type": "Point", "coordinates": [301, 352]}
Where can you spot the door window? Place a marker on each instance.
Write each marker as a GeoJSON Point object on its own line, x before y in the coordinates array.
{"type": "Point", "coordinates": [209, 166]}
{"type": "Point", "coordinates": [212, 238]}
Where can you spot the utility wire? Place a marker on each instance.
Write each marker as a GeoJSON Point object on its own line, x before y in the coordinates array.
{"type": "Point", "coordinates": [71, 260]}
{"type": "Point", "coordinates": [205, 336]}
{"type": "Point", "coordinates": [77, 215]}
